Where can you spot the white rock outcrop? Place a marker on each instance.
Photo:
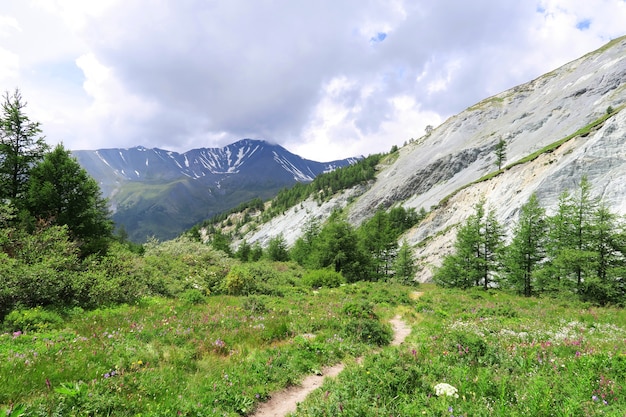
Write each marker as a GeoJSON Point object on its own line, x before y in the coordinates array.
{"type": "Point", "coordinates": [461, 150]}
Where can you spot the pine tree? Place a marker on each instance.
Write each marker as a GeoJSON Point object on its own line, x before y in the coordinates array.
{"type": "Point", "coordinates": [61, 192]}
{"type": "Point", "coordinates": [21, 147]}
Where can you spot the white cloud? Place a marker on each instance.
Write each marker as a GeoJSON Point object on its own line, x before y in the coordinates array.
{"type": "Point", "coordinates": [327, 79]}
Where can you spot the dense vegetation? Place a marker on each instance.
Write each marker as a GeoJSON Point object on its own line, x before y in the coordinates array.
{"type": "Point", "coordinates": [94, 325]}
{"type": "Point", "coordinates": [326, 185]}
{"type": "Point", "coordinates": [580, 249]}
{"type": "Point", "coordinates": [489, 353]}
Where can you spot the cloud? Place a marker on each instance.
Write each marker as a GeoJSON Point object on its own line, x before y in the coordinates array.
{"type": "Point", "coordinates": [326, 79]}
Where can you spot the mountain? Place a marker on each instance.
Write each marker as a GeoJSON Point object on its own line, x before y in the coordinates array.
{"type": "Point", "coordinates": [160, 193]}
{"type": "Point", "coordinates": [557, 128]}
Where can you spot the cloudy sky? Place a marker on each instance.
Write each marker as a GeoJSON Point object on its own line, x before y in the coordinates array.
{"type": "Point", "coordinates": [326, 79]}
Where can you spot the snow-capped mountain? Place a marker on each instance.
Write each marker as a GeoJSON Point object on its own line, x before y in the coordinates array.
{"type": "Point", "coordinates": [155, 192]}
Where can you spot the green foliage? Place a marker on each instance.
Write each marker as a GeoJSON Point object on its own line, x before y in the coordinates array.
{"type": "Point", "coordinates": [369, 331]}
{"type": "Point", "coordinates": [277, 249]}
{"type": "Point", "coordinates": [404, 265]}
{"type": "Point", "coordinates": [478, 252]}
{"type": "Point", "coordinates": [239, 281]}
{"type": "Point", "coordinates": [21, 147]}
{"type": "Point", "coordinates": [500, 153]}
{"type": "Point", "coordinates": [193, 296]}
{"type": "Point", "coordinates": [338, 248]}
{"type": "Point", "coordinates": [527, 248]}
{"type": "Point", "coordinates": [61, 192]}
{"type": "Point", "coordinates": [363, 324]}
{"type": "Point", "coordinates": [318, 278]}
{"type": "Point", "coordinates": [174, 266]}
{"type": "Point", "coordinates": [32, 319]}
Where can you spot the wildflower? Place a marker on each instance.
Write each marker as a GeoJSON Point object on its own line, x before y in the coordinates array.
{"type": "Point", "coordinates": [140, 362]}
{"type": "Point", "coordinates": [446, 389]}
{"type": "Point", "coordinates": [594, 398]}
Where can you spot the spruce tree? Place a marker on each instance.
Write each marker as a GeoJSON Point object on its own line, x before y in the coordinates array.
{"type": "Point", "coordinates": [61, 192]}
{"type": "Point", "coordinates": [21, 147]}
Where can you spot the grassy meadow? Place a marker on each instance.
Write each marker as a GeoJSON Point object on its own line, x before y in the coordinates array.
{"type": "Point", "coordinates": [500, 354]}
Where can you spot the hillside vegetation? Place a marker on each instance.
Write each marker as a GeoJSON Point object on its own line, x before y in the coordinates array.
{"type": "Point", "coordinates": [92, 324]}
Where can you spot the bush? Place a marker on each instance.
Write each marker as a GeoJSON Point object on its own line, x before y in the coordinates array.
{"type": "Point", "coordinates": [193, 296]}
{"type": "Point", "coordinates": [360, 310]}
{"type": "Point", "coordinates": [32, 319]}
{"type": "Point", "coordinates": [369, 331]}
{"type": "Point", "coordinates": [239, 281]}
{"type": "Point", "coordinates": [323, 278]}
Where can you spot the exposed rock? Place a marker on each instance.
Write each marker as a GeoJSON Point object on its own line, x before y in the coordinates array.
{"type": "Point", "coordinates": [528, 117]}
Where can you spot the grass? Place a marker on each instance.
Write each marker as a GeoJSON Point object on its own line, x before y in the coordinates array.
{"type": "Point", "coordinates": [506, 355]}
{"type": "Point", "coordinates": [175, 357]}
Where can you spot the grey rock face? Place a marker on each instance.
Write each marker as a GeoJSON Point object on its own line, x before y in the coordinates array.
{"type": "Point", "coordinates": [528, 117]}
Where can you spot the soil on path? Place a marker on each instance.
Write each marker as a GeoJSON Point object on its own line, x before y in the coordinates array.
{"type": "Point", "coordinates": [286, 401]}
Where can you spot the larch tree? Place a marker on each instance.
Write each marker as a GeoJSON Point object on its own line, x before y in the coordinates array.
{"type": "Point", "coordinates": [527, 248]}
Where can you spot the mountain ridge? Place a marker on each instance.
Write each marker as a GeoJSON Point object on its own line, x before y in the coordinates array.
{"type": "Point", "coordinates": [161, 193]}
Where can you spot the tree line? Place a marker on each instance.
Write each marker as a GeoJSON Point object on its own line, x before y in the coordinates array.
{"type": "Point", "coordinates": [580, 249]}
{"type": "Point", "coordinates": [369, 252]}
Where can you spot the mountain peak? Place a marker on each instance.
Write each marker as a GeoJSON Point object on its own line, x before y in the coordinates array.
{"type": "Point", "coordinates": [161, 193]}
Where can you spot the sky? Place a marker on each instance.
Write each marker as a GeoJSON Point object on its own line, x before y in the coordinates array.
{"type": "Point", "coordinates": [326, 79]}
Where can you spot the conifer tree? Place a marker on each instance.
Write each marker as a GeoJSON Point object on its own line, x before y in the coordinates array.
{"type": "Point", "coordinates": [527, 248]}
{"type": "Point", "coordinates": [477, 252]}
{"type": "Point", "coordinates": [21, 147]}
{"type": "Point", "coordinates": [404, 264]}
{"type": "Point", "coordinates": [500, 152]}
{"type": "Point", "coordinates": [61, 192]}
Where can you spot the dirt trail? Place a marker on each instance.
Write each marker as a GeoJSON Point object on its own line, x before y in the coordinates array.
{"type": "Point", "coordinates": [286, 401]}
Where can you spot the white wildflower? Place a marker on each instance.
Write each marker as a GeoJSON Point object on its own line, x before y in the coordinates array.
{"type": "Point", "coordinates": [446, 389]}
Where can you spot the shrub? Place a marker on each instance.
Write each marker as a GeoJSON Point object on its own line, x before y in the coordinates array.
{"type": "Point", "coordinates": [31, 319]}
{"type": "Point", "coordinates": [239, 281]}
{"type": "Point", "coordinates": [369, 331]}
{"type": "Point", "coordinates": [323, 278]}
{"type": "Point", "coordinates": [360, 310]}
{"type": "Point", "coordinates": [193, 296]}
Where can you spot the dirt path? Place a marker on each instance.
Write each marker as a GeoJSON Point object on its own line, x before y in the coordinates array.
{"type": "Point", "coordinates": [400, 330]}
{"type": "Point", "coordinates": [286, 401]}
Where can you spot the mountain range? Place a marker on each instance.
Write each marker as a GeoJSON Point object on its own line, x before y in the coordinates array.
{"type": "Point", "coordinates": [561, 127]}
{"type": "Point", "coordinates": [160, 193]}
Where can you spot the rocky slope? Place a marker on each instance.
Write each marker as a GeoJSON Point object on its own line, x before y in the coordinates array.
{"type": "Point", "coordinates": [461, 150]}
